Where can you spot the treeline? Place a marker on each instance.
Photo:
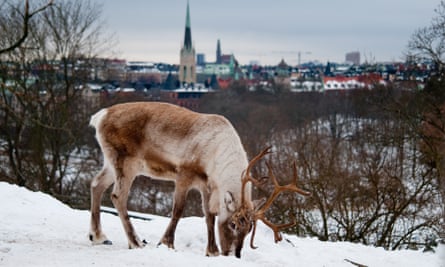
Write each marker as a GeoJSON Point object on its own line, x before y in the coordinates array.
{"type": "Point", "coordinates": [371, 159]}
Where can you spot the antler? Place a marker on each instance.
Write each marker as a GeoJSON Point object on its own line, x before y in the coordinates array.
{"type": "Point", "coordinates": [260, 213]}
{"type": "Point", "coordinates": [246, 174]}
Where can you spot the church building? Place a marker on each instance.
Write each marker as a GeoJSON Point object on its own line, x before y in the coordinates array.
{"type": "Point", "coordinates": [187, 64]}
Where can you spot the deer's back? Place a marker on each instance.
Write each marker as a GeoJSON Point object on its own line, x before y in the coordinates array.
{"type": "Point", "coordinates": [163, 138]}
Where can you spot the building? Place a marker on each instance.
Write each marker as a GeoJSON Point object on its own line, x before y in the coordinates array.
{"type": "Point", "coordinates": [200, 59]}
{"type": "Point", "coordinates": [339, 83]}
{"type": "Point", "coordinates": [353, 57]}
{"type": "Point", "coordinates": [225, 68]}
{"type": "Point", "coordinates": [187, 64]}
{"type": "Point", "coordinates": [185, 97]}
{"type": "Point", "coordinates": [218, 69]}
{"type": "Point", "coordinates": [218, 52]}
{"type": "Point", "coordinates": [282, 74]}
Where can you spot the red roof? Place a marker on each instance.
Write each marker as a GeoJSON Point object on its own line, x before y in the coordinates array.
{"type": "Point", "coordinates": [371, 78]}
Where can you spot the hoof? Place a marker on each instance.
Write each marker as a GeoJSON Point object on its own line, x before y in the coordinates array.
{"type": "Point", "coordinates": [102, 240]}
{"type": "Point", "coordinates": [212, 251]}
{"type": "Point", "coordinates": [212, 254]}
{"type": "Point", "coordinates": [170, 246]}
{"type": "Point", "coordinates": [139, 244]}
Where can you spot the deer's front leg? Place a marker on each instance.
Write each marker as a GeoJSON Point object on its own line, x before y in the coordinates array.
{"type": "Point", "coordinates": [212, 248]}
{"type": "Point", "coordinates": [180, 197]}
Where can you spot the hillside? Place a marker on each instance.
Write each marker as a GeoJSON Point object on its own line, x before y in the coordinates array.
{"type": "Point", "coordinates": [38, 230]}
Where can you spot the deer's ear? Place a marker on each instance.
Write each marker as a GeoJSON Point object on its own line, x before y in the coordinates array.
{"type": "Point", "coordinates": [229, 201]}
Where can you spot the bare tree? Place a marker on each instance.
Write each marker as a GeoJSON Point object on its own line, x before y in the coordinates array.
{"type": "Point", "coordinates": [429, 42]}
{"type": "Point", "coordinates": [44, 116]}
{"type": "Point", "coordinates": [26, 16]}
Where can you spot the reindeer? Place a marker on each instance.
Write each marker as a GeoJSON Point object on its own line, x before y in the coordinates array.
{"type": "Point", "coordinates": [196, 151]}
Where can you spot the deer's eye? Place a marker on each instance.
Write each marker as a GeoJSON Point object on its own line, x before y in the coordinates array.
{"type": "Point", "coordinates": [232, 226]}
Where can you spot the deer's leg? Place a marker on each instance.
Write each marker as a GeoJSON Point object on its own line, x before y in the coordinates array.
{"type": "Point", "coordinates": [180, 197]}
{"type": "Point", "coordinates": [119, 197]}
{"type": "Point", "coordinates": [99, 184]}
{"type": "Point", "coordinates": [212, 248]}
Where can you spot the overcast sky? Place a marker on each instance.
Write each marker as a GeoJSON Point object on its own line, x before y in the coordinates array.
{"type": "Point", "coordinates": [267, 31]}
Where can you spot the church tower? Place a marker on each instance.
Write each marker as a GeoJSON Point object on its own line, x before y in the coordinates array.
{"type": "Point", "coordinates": [187, 65]}
{"type": "Point", "coordinates": [218, 52]}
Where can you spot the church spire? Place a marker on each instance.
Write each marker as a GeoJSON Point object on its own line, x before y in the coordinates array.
{"type": "Point", "coordinates": [218, 52]}
{"type": "Point", "coordinates": [188, 30]}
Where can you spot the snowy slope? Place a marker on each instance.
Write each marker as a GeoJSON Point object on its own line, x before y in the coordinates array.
{"type": "Point", "coordinates": [37, 230]}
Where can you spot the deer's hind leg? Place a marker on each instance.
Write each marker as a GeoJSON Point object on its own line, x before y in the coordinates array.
{"type": "Point", "coordinates": [124, 179]}
{"type": "Point", "coordinates": [99, 184]}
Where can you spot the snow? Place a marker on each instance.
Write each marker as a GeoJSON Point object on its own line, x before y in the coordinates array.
{"type": "Point", "coordinates": [38, 230]}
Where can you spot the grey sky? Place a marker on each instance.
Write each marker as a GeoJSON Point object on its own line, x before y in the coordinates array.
{"type": "Point", "coordinates": [267, 31]}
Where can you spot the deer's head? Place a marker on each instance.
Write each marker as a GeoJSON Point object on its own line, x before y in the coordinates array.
{"type": "Point", "coordinates": [243, 218]}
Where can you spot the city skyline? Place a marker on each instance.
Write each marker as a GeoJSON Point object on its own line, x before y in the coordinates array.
{"type": "Point", "coordinates": [266, 31]}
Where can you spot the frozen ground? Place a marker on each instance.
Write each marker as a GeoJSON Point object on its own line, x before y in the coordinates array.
{"type": "Point", "coordinates": [38, 230]}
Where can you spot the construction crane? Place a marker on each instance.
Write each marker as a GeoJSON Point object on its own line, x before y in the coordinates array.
{"type": "Point", "coordinates": [299, 53]}
{"type": "Point", "coordinates": [299, 56]}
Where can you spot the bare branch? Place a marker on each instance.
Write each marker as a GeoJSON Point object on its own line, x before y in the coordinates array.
{"type": "Point", "coordinates": [26, 17]}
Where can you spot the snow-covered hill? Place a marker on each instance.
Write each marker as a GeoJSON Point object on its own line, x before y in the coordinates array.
{"type": "Point", "coordinates": [38, 230]}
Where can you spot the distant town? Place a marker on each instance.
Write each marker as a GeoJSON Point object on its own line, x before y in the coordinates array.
{"type": "Point", "coordinates": [193, 77]}
{"type": "Point", "coordinates": [185, 83]}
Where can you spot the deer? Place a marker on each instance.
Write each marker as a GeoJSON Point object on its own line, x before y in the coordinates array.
{"type": "Point", "coordinates": [195, 150]}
